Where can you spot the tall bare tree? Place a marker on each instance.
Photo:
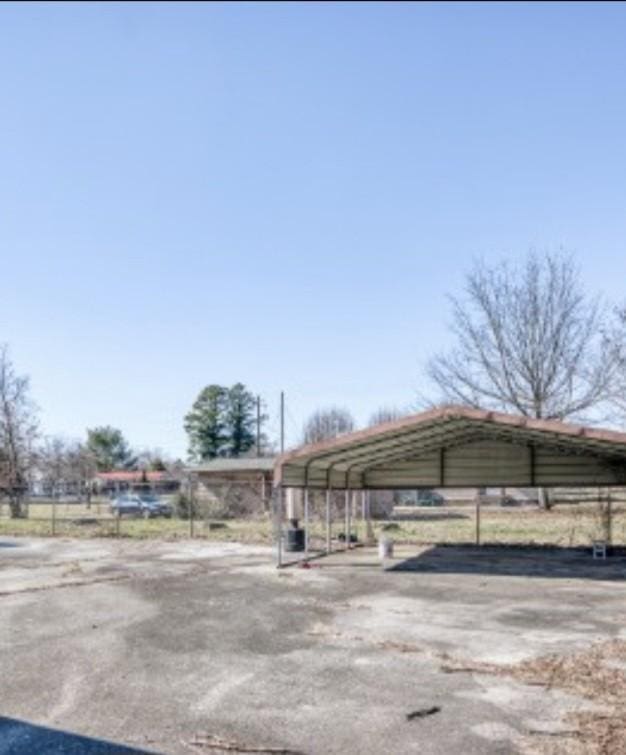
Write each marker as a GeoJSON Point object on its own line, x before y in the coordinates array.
{"type": "Point", "coordinates": [18, 430]}
{"type": "Point", "coordinates": [529, 340]}
{"type": "Point", "coordinates": [52, 462]}
{"type": "Point", "coordinates": [82, 466]}
{"type": "Point", "coordinates": [327, 423]}
{"type": "Point", "coordinates": [618, 341]}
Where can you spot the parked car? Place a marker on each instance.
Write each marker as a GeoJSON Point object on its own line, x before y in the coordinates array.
{"type": "Point", "coordinates": [152, 505]}
{"type": "Point", "coordinates": [146, 505]}
{"type": "Point", "coordinates": [126, 504]}
{"type": "Point", "coordinates": [429, 498]}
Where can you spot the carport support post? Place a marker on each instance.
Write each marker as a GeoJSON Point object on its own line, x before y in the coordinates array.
{"type": "Point", "coordinates": [347, 518]}
{"type": "Point", "coordinates": [370, 531]}
{"type": "Point", "coordinates": [306, 522]}
{"type": "Point", "coordinates": [477, 519]}
{"type": "Point", "coordinates": [328, 520]}
{"type": "Point", "coordinates": [363, 515]}
{"type": "Point", "coordinates": [278, 526]}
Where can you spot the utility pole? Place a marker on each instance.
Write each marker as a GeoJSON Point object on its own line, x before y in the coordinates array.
{"type": "Point", "coordinates": [258, 425]}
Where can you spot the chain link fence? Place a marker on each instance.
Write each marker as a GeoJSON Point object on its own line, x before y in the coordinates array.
{"type": "Point", "coordinates": [243, 512]}
{"type": "Point", "coordinates": [576, 518]}
{"type": "Point", "coordinates": [231, 512]}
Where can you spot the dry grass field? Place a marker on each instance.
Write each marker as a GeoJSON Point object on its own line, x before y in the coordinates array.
{"type": "Point", "coordinates": [566, 525]}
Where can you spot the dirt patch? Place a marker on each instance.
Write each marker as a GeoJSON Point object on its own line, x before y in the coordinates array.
{"type": "Point", "coordinates": [595, 674]}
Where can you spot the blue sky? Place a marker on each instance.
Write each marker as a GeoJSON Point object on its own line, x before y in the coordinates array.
{"type": "Point", "coordinates": [283, 195]}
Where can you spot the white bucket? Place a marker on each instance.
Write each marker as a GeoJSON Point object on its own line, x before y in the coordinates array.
{"type": "Point", "coordinates": [385, 549]}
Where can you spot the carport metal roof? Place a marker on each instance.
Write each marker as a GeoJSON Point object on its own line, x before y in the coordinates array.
{"type": "Point", "coordinates": [457, 446]}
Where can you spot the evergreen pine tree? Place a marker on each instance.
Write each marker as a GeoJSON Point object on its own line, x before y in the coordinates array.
{"type": "Point", "coordinates": [240, 420]}
{"type": "Point", "coordinates": [205, 424]}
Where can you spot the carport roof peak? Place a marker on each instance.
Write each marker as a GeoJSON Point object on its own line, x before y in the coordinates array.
{"type": "Point", "coordinates": [457, 411]}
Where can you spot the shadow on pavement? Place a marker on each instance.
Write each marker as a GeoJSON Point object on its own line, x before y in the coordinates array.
{"type": "Point", "coordinates": [523, 561]}
{"type": "Point", "coordinates": [23, 738]}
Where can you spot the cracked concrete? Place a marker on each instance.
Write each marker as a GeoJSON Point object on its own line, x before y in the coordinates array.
{"type": "Point", "coordinates": [146, 644]}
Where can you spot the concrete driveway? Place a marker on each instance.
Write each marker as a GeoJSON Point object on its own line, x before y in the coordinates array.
{"type": "Point", "coordinates": [174, 647]}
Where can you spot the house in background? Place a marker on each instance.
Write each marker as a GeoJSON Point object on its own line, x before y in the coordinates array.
{"type": "Point", "coordinates": [118, 481]}
{"type": "Point", "coordinates": [217, 478]}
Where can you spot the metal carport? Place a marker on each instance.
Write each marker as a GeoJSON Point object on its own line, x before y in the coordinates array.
{"type": "Point", "coordinates": [452, 446]}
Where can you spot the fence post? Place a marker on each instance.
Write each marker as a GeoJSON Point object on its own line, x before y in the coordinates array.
{"type": "Point", "coordinates": [192, 506]}
{"type": "Point", "coordinates": [117, 523]}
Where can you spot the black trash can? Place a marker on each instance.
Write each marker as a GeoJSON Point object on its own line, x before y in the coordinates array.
{"type": "Point", "coordinates": [295, 539]}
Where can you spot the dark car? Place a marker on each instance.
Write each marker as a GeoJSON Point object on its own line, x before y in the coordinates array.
{"type": "Point", "coordinates": [126, 504]}
{"type": "Point", "coordinates": [146, 505]}
{"type": "Point", "coordinates": [152, 505]}
{"type": "Point", "coordinates": [429, 498]}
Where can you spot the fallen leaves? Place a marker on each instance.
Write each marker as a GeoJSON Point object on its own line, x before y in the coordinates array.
{"type": "Point", "coordinates": [597, 674]}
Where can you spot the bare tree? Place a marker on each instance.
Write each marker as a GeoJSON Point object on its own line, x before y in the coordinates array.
{"type": "Point", "coordinates": [52, 463]}
{"type": "Point", "coordinates": [81, 466]}
{"type": "Point", "coordinates": [528, 340]}
{"type": "Point", "coordinates": [327, 423]}
{"type": "Point", "coordinates": [66, 467]}
{"type": "Point", "coordinates": [153, 460]}
{"type": "Point", "coordinates": [617, 339]}
{"type": "Point", "coordinates": [386, 414]}
{"type": "Point", "coordinates": [18, 429]}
